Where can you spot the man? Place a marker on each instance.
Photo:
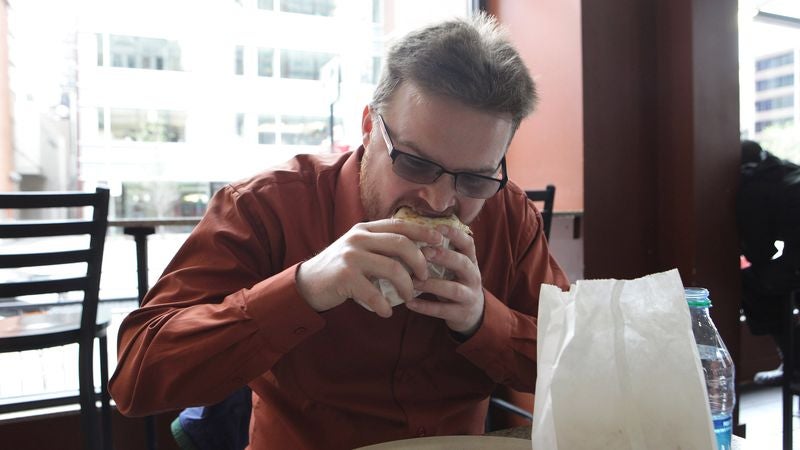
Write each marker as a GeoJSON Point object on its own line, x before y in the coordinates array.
{"type": "Point", "coordinates": [275, 288]}
{"type": "Point", "coordinates": [768, 210]}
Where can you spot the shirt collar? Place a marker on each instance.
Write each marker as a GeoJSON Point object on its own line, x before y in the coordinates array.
{"type": "Point", "coordinates": [348, 209]}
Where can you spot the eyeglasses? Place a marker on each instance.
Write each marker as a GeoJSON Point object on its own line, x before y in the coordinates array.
{"type": "Point", "coordinates": [422, 171]}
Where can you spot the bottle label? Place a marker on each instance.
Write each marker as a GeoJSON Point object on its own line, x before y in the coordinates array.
{"type": "Point", "coordinates": [708, 351]}
{"type": "Point", "coordinates": [723, 426]}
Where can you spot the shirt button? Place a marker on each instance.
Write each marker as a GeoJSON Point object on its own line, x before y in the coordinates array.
{"type": "Point", "coordinates": [300, 330]}
{"type": "Point", "coordinates": [421, 431]}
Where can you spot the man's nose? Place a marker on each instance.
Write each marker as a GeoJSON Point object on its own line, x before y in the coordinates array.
{"type": "Point", "coordinates": [441, 194]}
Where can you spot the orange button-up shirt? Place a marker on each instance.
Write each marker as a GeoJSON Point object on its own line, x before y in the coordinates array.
{"type": "Point", "coordinates": [226, 312]}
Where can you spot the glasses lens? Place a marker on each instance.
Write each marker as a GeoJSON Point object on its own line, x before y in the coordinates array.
{"type": "Point", "coordinates": [414, 169]}
{"type": "Point", "coordinates": [475, 186]}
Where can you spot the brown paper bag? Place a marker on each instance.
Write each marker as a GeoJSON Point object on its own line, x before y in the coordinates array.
{"type": "Point", "coordinates": [618, 368]}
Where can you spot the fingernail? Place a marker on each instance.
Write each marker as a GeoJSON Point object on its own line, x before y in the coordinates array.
{"type": "Point", "coordinates": [429, 252]}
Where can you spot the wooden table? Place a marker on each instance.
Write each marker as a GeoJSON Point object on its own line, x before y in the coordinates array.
{"type": "Point", "coordinates": [510, 439]}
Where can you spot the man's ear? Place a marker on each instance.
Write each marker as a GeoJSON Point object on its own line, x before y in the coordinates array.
{"type": "Point", "coordinates": [366, 125]}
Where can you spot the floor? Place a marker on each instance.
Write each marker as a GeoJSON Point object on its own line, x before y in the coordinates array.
{"type": "Point", "coordinates": [761, 410]}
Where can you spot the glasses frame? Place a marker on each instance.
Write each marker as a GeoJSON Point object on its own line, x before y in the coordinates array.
{"type": "Point", "coordinates": [394, 153]}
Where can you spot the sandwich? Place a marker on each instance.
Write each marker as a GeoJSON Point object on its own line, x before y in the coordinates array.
{"type": "Point", "coordinates": [434, 271]}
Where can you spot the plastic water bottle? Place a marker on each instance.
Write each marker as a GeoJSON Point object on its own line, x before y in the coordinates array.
{"type": "Point", "coordinates": [717, 365]}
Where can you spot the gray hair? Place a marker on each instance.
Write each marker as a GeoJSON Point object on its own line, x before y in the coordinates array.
{"type": "Point", "coordinates": [470, 60]}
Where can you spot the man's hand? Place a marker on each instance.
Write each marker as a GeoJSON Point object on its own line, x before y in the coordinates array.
{"type": "Point", "coordinates": [370, 250]}
{"type": "Point", "coordinates": [461, 299]}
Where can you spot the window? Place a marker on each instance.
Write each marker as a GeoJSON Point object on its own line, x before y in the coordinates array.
{"type": "Point", "coordinates": [163, 199]}
{"type": "Point", "coordinates": [783, 59]}
{"type": "Point", "coordinates": [239, 61]}
{"type": "Point", "coordinates": [313, 7]}
{"type": "Point", "coordinates": [265, 4]}
{"type": "Point", "coordinates": [144, 53]}
{"type": "Point", "coordinates": [148, 125]}
{"type": "Point", "coordinates": [266, 129]}
{"type": "Point", "coordinates": [265, 62]}
{"type": "Point", "coordinates": [776, 82]}
{"type": "Point", "coordinates": [762, 125]}
{"type": "Point", "coordinates": [303, 64]}
{"type": "Point", "coordinates": [99, 39]}
{"type": "Point", "coordinates": [303, 130]}
{"type": "Point", "coordinates": [371, 71]}
{"type": "Point", "coordinates": [786, 101]}
{"type": "Point", "coordinates": [377, 11]}
{"type": "Point", "coordinates": [101, 121]}
{"type": "Point", "coordinates": [240, 124]}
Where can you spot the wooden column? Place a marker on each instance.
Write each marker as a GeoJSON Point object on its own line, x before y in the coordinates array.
{"type": "Point", "coordinates": [661, 133]}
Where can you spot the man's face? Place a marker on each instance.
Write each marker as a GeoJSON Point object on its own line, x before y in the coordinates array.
{"type": "Point", "coordinates": [457, 137]}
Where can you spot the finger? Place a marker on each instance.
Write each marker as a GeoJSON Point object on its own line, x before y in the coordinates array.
{"type": "Point", "coordinates": [439, 309]}
{"type": "Point", "coordinates": [413, 231]}
{"type": "Point", "coordinates": [377, 266]}
{"type": "Point", "coordinates": [447, 291]}
{"type": "Point", "coordinates": [395, 246]}
{"type": "Point", "coordinates": [464, 268]}
{"type": "Point", "coordinates": [459, 241]}
{"type": "Point", "coordinates": [367, 295]}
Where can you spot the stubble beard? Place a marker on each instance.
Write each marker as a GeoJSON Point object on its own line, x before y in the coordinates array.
{"type": "Point", "coordinates": [369, 190]}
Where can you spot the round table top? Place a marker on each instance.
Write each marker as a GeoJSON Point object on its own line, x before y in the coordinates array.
{"type": "Point", "coordinates": [455, 443]}
{"type": "Point", "coordinates": [510, 439]}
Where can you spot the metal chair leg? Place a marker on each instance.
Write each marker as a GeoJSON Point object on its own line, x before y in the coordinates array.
{"type": "Point", "coordinates": [88, 412]}
{"type": "Point", "coordinates": [105, 396]}
{"type": "Point", "coordinates": [140, 238]}
{"type": "Point", "coordinates": [788, 370]}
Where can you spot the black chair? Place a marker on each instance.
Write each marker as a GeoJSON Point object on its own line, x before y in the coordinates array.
{"type": "Point", "coordinates": [38, 312]}
{"type": "Point", "coordinates": [790, 389]}
{"type": "Point", "coordinates": [547, 196]}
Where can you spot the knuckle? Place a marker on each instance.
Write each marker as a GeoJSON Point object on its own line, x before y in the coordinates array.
{"type": "Point", "coordinates": [349, 258]}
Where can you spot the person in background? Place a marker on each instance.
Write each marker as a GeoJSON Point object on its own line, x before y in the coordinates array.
{"type": "Point", "coordinates": [275, 287]}
{"type": "Point", "coordinates": [768, 211]}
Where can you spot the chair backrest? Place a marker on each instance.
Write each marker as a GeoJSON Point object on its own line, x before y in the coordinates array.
{"type": "Point", "coordinates": [547, 196]}
{"type": "Point", "coordinates": [34, 248]}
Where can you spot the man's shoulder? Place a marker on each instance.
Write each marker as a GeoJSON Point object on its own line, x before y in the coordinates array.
{"type": "Point", "coordinates": [508, 208]}
{"type": "Point", "coordinates": [301, 170]}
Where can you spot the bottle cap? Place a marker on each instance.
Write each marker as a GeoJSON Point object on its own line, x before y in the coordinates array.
{"type": "Point", "coordinates": [697, 297]}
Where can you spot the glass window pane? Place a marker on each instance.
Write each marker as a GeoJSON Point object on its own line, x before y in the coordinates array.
{"type": "Point", "coordinates": [315, 7]}
{"type": "Point", "coordinates": [239, 63]}
{"type": "Point", "coordinates": [265, 62]}
{"type": "Point", "coordinates": [140, 53]}
{"type": "Point", "coordinates": [266, 129]}
{"type": "Point", "coordinates": [148, 125]}
{"type": "Point", "coordinates": [304, 130]}
{"type": "Point", "coordinates": [265, 4]}
{"type": "Point", "coordinates": [240, 124]}
{"type": "Point", "coordinates": [101, 121]}
{"type": "Point", "coordinates": [303, 65]}
{"type": "Point", "coordinates": [99, 43]}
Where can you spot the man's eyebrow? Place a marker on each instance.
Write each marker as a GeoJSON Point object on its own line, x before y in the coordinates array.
{"type": "Point", "coordinates": [403, 144]}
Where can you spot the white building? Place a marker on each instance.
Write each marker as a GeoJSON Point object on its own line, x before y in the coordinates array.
{"type": "Point", "coordinates": [175, 97]}
{"type": "Point", "coordinates": [769, 76]}
{"type": "Point", "coordinates": [777, 90]}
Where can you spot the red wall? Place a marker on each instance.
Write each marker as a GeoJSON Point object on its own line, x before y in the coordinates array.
{"type": "Point", "coordinates": [548, 147]}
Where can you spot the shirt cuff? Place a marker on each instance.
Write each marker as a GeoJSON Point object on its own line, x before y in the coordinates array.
{"type": "Point", "coordinates": [486, 347]}
{"type": "Point", "coordinates": [284, 318]}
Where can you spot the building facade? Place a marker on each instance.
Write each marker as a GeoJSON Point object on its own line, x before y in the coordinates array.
{"type": "Point", "coordinates": [166, 101]}
{"type": "Point", "coordinates": [777, 92]}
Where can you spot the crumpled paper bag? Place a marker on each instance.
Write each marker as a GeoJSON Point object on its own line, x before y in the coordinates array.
{"type": "Point", "coordinates": [618, 368]}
